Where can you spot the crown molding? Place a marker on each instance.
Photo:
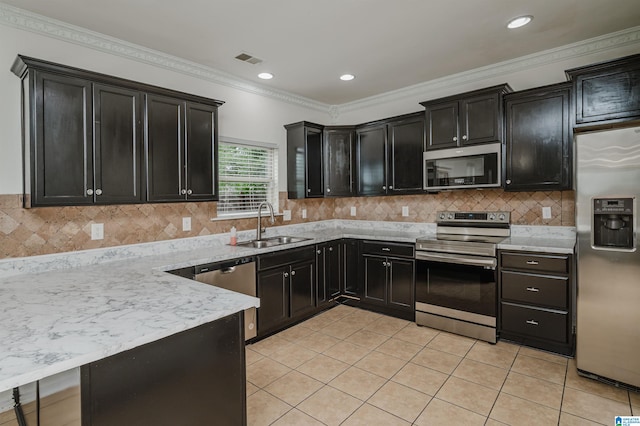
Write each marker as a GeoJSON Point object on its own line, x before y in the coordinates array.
{"type": "Point", "coordinates": [49, 27]}
{"type": "Point", "coordinates": [605, 42]}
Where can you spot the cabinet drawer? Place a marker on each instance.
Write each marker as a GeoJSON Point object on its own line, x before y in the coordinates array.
{"type": "Point", "coordinates": [388, 249]}
{"type": "Point", "coordinates": [535, 289]}
{"type": "Point", "coordinates": [536, 262]}
{"type": "Point", "coordinates": [538, 323]}
{"type": "Point", "coordinates": [286, 257]}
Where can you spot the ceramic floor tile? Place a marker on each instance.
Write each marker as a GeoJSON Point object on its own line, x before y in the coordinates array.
{"type": "Point", "coordinates": [293, 356]}
{"type": "Point", "coordinates": [482, 374]}
{"type": "Point", "coordinates": [367, 339]}
{"type": "Point", "coordinates": [358, 383]}
{"type": "Point", "coordinates": [363, 317]}
{"type": "Point", "coordinates": [593, 386]}
{"type": "Point", "coordinates": [540, 354]}
{"type": "Point", "coordinates": [567, 419]}
{"type": "Point", "coordinates": [593, 407]}
{"type": "Point", "coordinates": [465, 394]}
{"type": "Point", "coordinates": [540, 369]}
{"type": "Point", "coordinates": [347, 352]}
{"type": "Point", "coordinates": [265, 371]}
{"type": "Point", "coordinates": [492, 355]}
{"type": "Point", "coordinates": [399, 349]}
{"type": "Point", "coordinates": [330, 406]}
{"type": "Point", "coordinates": [416, 334]}
{"type": "Point", "coordinates": [323, 368]}
{"type": "Point", "coordinates": [508, 346]}
{"type": "Point", "coordinates": [341, 329]}
{"type": "Point", "coordinates": [635, 402]}
{"type": "Point", "coordinates": [515, 411]}
{"type": "Point", "coordinates": [387, 325]}
{"type": "Point", "coordinates": [296, 417]}
{"type": "Point", "coordinates": [420, 378]}
{"type": "Point", "coordinates": [251, 388]}
{"type": "Point", "coordinates": [439, 413]}
{"type": "Point", "coordinates": [451, 343]}
{"type": "Point", "coordinates": [263, 409]}
{"type": "Point", "coordinates": [381, 364]}
{"type": "Point", "coordinates": [400, 401]}
{"type": "Point", "coordinates": [318, 342]}
{"type": "Point", "coordinates": [294, 387]}
{"type": "Point", "coordinates": [338, 312]}
{"type": "Point", "coordinates": [368, 415]}
{"type": "Point", "coordinates": [437, 360]}
{"type": "Point", "coordinates": [252, 356]}
{"type": "Point", "coordinates": [491, 422]}
{"type": "Point", "coordinates": [318, 322]}
{"type": "Point", "coordinates": [295, 333]}
{"type": "Point", "coordinates": [270, 345]}
{"type": "Point", "coordinates": [537, 390]}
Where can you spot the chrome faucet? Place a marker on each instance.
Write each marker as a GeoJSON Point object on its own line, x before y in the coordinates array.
{"type": "Point", "coordinates": [273, 220]}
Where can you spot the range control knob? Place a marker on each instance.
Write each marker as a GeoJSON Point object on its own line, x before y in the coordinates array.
{"type": "Point", "coordinates": [442, 215]}
{"type": "Point", "coordinates": [450, 217]}
{"type": "Point", "coordinates": [501, 216]}
{"type": "Point", "coordinates": [492, 216]}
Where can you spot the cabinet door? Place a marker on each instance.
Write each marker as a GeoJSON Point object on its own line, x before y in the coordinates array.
{"type": "Point", "coordinates": [201, 152]}
{"type": "Point", "coordinates": [401, 283]}
{"type": "Point", "coordinates": [538, 143]}
{"type": "Point", "coordinates": [442, 125]}
{"type": "Point", "coordinates": [350, 268]}
{"type": "Point", "coordinates": [62, 154]}
{"type": "Point", "coordinates": [406, 145]}
{"type": "Point", "coordinates": [118, 144]}
{"type": "Point", "coordinates": [165, 149]}
{"type": "Point", "coordinates": [303, 288]}
{"type": "Point", "coordinates": [273, 291]}
{"type": "Point", "coordinates": [339, 154]}
{"type": "Point", "coordinates": [375, 279]}
{"type": "Point", "coordinates": [371, 146]}
{"type": "Point", "coordinates": [480, 119]}
{"type": "Point", "coordinates": [313, 158]}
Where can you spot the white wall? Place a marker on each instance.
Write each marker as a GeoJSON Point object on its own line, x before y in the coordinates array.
{"type": "Point", "coordinates": [244, 115]}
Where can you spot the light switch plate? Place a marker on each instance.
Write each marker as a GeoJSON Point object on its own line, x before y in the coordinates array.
{"type": "Point", "coordinates": [97, 231]}
{"type": "Point", "coordinates": [186, 224]}
{"type": "Point", "coordinates": [546, 212]}
{"type": "Point", "coordinates": [304, 213]}
{"type": "Point", "coordinates": [405, 211]}
{"type": "Point", "coordinates": [353, 211]}
{"type": "Point", "coordinates": [286, 215]}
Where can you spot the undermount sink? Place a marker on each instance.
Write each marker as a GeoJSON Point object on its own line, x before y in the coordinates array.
{"type": "Point", "coordinates": [272, 241]}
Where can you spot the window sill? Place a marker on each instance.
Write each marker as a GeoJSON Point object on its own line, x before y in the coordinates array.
{"type": "Point", "coordinates": [241, 216]}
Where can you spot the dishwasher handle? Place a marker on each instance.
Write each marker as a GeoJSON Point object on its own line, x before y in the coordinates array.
{"type": "Point", "coordinates": [229, 270]}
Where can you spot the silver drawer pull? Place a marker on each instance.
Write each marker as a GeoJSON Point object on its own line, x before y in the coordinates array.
{"type": "Point", "coordinates": [386, 249]}
{"type": "Point", "coordinates": [533, 289]}
{"type": "Point", "coordinates": [532, 262]}
{"type": "Point", "coordinates": [532, 322]}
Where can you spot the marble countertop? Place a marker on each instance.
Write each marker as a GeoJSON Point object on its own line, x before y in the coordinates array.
{"type": "Point", "coordinates": [65, 310]}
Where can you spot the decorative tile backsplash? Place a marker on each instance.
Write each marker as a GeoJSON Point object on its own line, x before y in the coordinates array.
{"type": "Point", "coordinates": [28, 232]}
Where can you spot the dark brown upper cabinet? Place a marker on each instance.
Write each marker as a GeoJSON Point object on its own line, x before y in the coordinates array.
{"type": "Point", "coordinates": [304, 160]}
{"type": "Point", "coordinates": [538, 155]}
{"type": "Point", "coordinates": [465, 119]}
{"type": "Point", "coordinates": [389, 155]}
{"type": "Point", "coordinates": [607, 93]}
{"type": "Point", "coordinates": [181, 150]}
{"type": "Point", "coordinates": [339, 161]}
{"type": "Point", "coordinates": [83, 137]}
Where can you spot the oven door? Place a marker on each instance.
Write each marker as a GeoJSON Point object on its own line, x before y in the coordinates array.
{"type": "Point", "coordinates": [460, 284]}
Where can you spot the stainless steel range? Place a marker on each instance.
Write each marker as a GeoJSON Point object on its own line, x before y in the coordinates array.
{"type": "Point", "coordinates": [456, 277]}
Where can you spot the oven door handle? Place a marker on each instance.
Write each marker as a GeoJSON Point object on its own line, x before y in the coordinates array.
{"type": "Point", "coordinates": [458, 259]}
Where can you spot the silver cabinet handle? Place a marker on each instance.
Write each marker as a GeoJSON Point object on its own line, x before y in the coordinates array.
{"type": "Point", "coordinates": [384, 187]}
{"type": "Point", "coordinates": [455, 139]}
{"type": "Point", "coordinates": [384, 264]}
{"type": "Point", "coordinates": [286, 275]}
{"type": "Point", "coordinates": [183, 192]}
{"type": "Point", "coordinates": [532, 322]}
{"type": "Point", "coordinates": [532, 262]}
{"type": "Point", "coordinates": [98, 191]}
{"type": "Point", "coordinates": [390, 187]}
{"type": "Point", "coordinates": [330, 248]}
{"type": "Point", "coordinates": [189, 192]}
{"type": "Point", "coordinates": [386, 249]}
{"type": "Point", "coordinates": [89, 191]}
{"type": "Point", "coordinates": [508, 181]}
{"type": "Point", "coordinates": [319, 252]}
{"type": "Point", "coordinates": [464, 137]}
{"type": "Point", "coordinates": [328, 189]}
{"type": "Point", "coordinates": [308, 189]}
{"type": "Point", "coordinates": [533, 289]}
{"type": "Point", "coordinates": [293, 273]}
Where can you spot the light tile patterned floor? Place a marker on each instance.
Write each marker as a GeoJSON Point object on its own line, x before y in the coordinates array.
{"type": "Point", "coordinates": [348, 366]}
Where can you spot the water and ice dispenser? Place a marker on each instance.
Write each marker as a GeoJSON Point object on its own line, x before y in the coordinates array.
{"type": "Point", "coordinates": [613, 223]}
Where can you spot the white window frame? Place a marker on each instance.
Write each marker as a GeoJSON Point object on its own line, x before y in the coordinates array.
{"type": "Point", "coordinates": [274, 196]}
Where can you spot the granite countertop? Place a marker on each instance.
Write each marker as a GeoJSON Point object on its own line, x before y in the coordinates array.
{"type": "Point", "coordinates": [539, 244]}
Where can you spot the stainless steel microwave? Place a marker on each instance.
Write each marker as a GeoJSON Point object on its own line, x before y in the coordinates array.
{"type": "Point", "coordinates": [476, 166]}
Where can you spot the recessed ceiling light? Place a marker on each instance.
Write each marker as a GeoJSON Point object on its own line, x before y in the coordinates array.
{"type": "Point", "coordinates": [520, 21]}
{"type": "Point", "coordinates": [265, 75]}
{"type": "Point", "coordinates": [347, 77]}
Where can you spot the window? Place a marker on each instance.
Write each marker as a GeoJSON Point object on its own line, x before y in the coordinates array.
{"type": "Point", "coordinates": [247, 177]}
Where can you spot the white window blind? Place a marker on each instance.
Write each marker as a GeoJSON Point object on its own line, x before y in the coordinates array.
{"type": "Point", "coordinates": [247, 177]}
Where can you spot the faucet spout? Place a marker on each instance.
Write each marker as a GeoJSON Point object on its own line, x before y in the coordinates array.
{"type": "Point", "coordinates": [273, 219]}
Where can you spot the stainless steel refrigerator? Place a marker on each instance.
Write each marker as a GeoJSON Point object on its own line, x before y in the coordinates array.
{"type": "Point", "coordinates": [608, 276]}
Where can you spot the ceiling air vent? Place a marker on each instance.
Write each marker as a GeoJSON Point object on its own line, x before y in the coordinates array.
{"type": "Point", "coordinates": [244, 57]}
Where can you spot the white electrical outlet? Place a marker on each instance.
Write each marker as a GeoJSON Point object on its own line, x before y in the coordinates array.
{"type": "Point", "coordinates": [546, 212]}
{"type": "Point", "coordinates": [405, 211]}
{"type": "Point", "coordinates": [97, 231]}
{"type": "Point", "coordinates": [353, 211]}
{"type": "Point", "coordinates": [286, 215]}
{"type": "Point", "coordinates": [186, 224]}
{"type": "Point", "coordinates": [304, 213]}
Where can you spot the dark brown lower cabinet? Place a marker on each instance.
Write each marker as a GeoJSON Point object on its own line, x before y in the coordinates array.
{"type": "Point", "coordinates": [195, 377]}
{"type": "Point", "coordinates": [328, 261]}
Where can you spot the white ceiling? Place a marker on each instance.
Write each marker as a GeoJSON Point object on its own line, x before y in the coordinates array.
{"type": "Point", "coordinates": [307, 44]}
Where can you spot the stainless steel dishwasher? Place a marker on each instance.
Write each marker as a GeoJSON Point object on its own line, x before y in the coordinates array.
{"type": "Point", "coordinates": [236, 275]}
